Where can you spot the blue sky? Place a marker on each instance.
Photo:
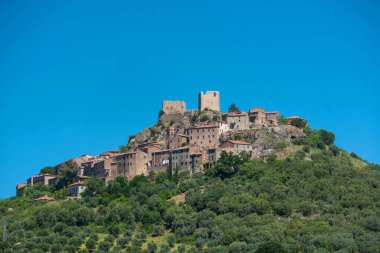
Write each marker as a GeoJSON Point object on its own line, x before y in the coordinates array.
{"type": "Point", "coordinates": [79, 77]}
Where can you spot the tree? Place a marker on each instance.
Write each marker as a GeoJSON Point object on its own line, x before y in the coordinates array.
{"type": "Point", "coordinates": [95, 185]}
{"type": "Point", "coordinates": [233, 108]}
{"type": "Point", "coordinates": [300, 123]}
{"type": "Point", "coordinates": [48, 170]}
{"type": "Point", "coordinates": [227, 165]}
{"type": "Point", "coordinates": [169, 170]}
{"type": "Point", "coordinates": [91, 244]}
{"type": "Point", "coordinates": [152, 247]}
{"type": "Point", "coordinates": [328, 138]}
{"type": "Point", "coordinates": [270, 247]}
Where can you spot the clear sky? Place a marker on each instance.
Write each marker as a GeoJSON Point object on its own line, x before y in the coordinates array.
{"type": "Point", "coordinates": [79, 77]}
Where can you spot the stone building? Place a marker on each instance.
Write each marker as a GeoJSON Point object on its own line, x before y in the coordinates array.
{"type": "Point", "coordinates": [132, 164]}
{"type": "Point", "coordinates": [149, 148]}
{"type": "Point", "coordinates": [160, 158]}
{"type": "Point", "coordinates": [272, 118]}
{"type": "Point", "coordinates": [259, 116]}
{"type": "Point", "coordinates": [187, 158]}
{"type": "Point", "coordinates": [101, 168]}
{"type": "Point", "coordinates": [44, 179]}
{"type": "Point", "coordinates": [210, 100]}
{"type": "Point", "coordinates": [237, 121]}
{"type": "Point", "coordinates": [204, 136]}
{"type": "Point", "coordinates": [173, 107]}
{"type": "Point", "coordinates": [76, 189]}
{"type": "Point", "coordinates": [177, 140]}
{"type": "Point", "coordinates": [236, 147]}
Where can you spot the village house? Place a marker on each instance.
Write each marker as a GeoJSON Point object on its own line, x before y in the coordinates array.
{"type": "Point", "coordinates": [101, 168]}
{"type": "Point", "coordinates": [44, 179]}
{"type": "Point", "coordinates": [76, 188]}
{"type": "Point", "coordinates": [132, 164]}
{"type": "Point", "coordinates": [149, 148]}
{"type": "Point", "coordinates": [272, 118]}
{"type": "Point", "coordinates": [236, 147]}
{"type": "Point", "coordinates": [237, 120]}
{"type": "Point", "coordinates": [187, 158]}
{"type": "Point", "coordinates": [177, 140]}
{"type": "Point", "coordinates": [257, 116]}
{"type": "Point", "coordinates": [204, 136]}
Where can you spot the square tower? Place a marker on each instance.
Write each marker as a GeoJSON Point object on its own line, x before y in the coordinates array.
{"type": "Point", "coordinates": [209, 100]}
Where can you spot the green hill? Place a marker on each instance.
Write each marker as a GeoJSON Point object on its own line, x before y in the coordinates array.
{"type": "Point", "coordinates": [320, 201]}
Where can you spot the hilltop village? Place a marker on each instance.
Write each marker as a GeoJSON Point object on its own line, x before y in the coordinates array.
{"type": "Point", "coordinates": [185, 140]}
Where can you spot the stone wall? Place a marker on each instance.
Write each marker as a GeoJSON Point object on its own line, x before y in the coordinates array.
{"type": "Point", "coordinates": [172, 107]}
{"type": "Point", "coordinates": [209, 100]}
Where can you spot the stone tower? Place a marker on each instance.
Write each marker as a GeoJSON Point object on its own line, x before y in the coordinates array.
{"type": "Point", "coordinates": [209, 100]}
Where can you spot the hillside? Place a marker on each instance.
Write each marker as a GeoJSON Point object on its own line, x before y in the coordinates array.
{"type": "Point", "coordinates": [314, 201]}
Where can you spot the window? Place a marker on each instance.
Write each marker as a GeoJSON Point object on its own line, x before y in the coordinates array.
{"type": "Point", "coordinates": [214, 94]}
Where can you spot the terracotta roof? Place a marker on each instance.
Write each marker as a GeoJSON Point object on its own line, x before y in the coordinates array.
{"type": "Point", "coordinates": [77, 184]}
{"type": "Point", "coordinates": [272, 112]}
{"type": "Point", "coordinates": [183, 135]}
{"type": "Point", "coordinates": [256, 109]}
{"type": "Point", "coordinates": [46, 197]}
{"type": "Point", "coordinates": [234, 114]}
{"type": "Point", "coordinates": [181, 148]}
{"type": "Point", "coordinates": [204, 126]}
{"type": "Point", "coordinates": [239, 142]}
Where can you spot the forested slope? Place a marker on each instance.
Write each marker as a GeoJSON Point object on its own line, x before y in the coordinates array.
{"type": "Point", "coordinates": [317, 202]}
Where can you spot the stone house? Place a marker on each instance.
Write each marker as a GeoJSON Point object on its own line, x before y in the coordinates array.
{"type": "Point", "coordinates": [210, 100]}
{"type": "Point", "coordinates": [76, 188]}
{"type": "Point", "coordinates": [44, 198]}
{"type": "Point", "coordinates": [237, 121]}
{"type": "Point", "coordinates": [44, 179]}
{"type": "Point", "coordinates": [132, 164]}
{"type": "Point", "coordinates": [187, 158]}
{"type": "Point", "coordinates": [272, 118]}
{"type": "Point", "coordinates": [236, 147]}
{"type": "Point", "coordinates": [204, 136]}
{"type": "Point", "coordinates": [177, 140]}
{"type": "Point", "coordinates": [101, 168]}
{"type": "Point", "coordinates": [149, 148]}
{"type": "Point", "coordinates": [259, 116]}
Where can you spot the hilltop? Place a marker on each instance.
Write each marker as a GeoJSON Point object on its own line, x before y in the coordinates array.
{"type": "Point", "coordinates": [203, 181]}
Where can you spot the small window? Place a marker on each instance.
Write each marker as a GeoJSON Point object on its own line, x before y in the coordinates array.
{"type": "Point", "coordinates": [214, 94]}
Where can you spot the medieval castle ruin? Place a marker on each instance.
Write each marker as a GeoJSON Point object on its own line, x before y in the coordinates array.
{"type": "Point", "coordinates": [191, 139]}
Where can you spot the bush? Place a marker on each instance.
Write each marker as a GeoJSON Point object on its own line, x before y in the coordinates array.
{"type": "Point", "coordinates": [151, 248]}
{"type": "Point", "coordinates": [270, 247]}
{"type": "Point", "coordinates": [158, 230]}
{"type": "Point", "coordinates": [306, 149]}
{"type": "Point", "coordinates": [171, 240]}
{"type": "Point", "coordinates": [282, 209]}
{"type": "Point", "coordinates": [281, 145]}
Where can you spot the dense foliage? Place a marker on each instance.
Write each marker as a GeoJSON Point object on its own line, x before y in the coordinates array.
{"type": "Point", "coordinates": [317, 202]}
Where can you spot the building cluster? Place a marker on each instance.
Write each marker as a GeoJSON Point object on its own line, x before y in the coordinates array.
{"type": "Point", "coordinates": [193, 149]}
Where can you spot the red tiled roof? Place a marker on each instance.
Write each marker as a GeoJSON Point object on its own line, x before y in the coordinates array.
{"type": "Point", "coordinates": [256, 109]}
{"type": "Point", "coordinates": [46, 197]}
{"type": "Point", "coordinates": [77, 184]}
{"type": "Point", "coordinates": [204, 126]}
{"type": "Point", "coordinates": [181, 148]}
{"type": "Point", "coordinates": [272, 112]}
{"type": "Point", "coordinates": [183, 135]}
{"type": "Point", "coordinates": [238, 142]}
{"type": "Point", "coordinates": [234, 114]}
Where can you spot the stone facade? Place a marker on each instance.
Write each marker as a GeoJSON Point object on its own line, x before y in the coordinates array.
{"type": "Point", "coordinates": [272, 118]}
{"type": "Point", "coordinates": [259, 115]}
{"type": "Point", "coordinates": [210, 100]}
{"type": "Point", "coordinates": [236, 147]}
{"type": "Point", "coordinates": [76, 189]}
{"type": "Point", "coordinates": [132, 164]}
{"type": "Point", "coordinates": [187, 158]}
{"type": "Point", "coordinates": [173, 107]}
{"type": "Point", "coordinates": [101, 168]}
{"type": "Point", "coordinates": [237, 121]}
{"type": "Point", "coordinates": [204, 136]}
{"type": "Point", "coordinates": [177, 140]}
{"type": "Point", "coordinates": [44, 179]}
